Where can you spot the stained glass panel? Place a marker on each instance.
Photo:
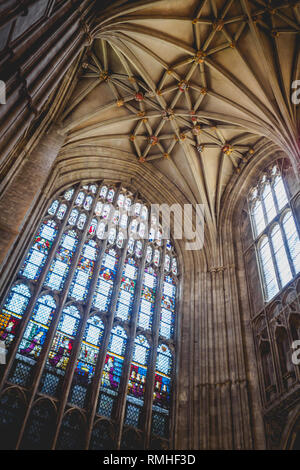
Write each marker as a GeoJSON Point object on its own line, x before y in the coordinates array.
{"type": "Point", "coordinates": [12, 312]}
{"type": "Point", "coordinates": [104, 287]}
{"type": "Point", "coordinates": [54, 326]}
{"type": "Point", "coordinates": [138, 369]}
{"type": "Point", "coordinates": [87, 360]}
{"type": "Point", "coordinates": [127, 289]}
{"type": "Point", "coordinates": [162, 385]}
{"type": "Point", "coordinates": [60, 266]}
{"type": "Point", "coordinates": [60, 350]}
{"type": "Point", "coordinates": [112, 371]}
{"type": "Point", "coordinates": [146, 309]}
{"type": "Point", "coordinates": [38, 253]}
{"type": "Point", "coordinates": [33, 339]}
{"type": "Point", "coordinates": [84, 271]}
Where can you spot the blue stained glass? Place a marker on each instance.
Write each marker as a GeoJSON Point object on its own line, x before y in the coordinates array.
{"type": "Point", "coordinates": [87, 360]}
{"type": "Point", "coordinates": [37, 255]}
{"type": "Point", "coordinates": [84, 271]}
{"type": "Point", "coordinates": [43, 313]}
{"type": "Point", "coordinates": [81, 221]}
{"type": "Point", "coordinates": [167, 316]}
{"type": "Point", "coordinates": [52, 209]}
{"type": "Point", "coordinates": [79, 199]}
{"type": "Point", "coordinates": [88, 203]}
{"type": "Point", "coordinates": [114, 359]}
{"type": "Point", "coordinates": [169, 287]}
{"type": "Point", "coordinates": [112, 371]}
{"type": "Point", "coordinates": [110, 195]}
{"type": "Point", "coordinates": [33, 339]}
{"type": "Point", "coordinates": [105, 281]}
{"type": "Point", "coordinates": [138, 369]}
{"type": "Point", "coordinates": [130, 246]}
{"type": "Point", "coordinates": [73, 217]}
{"type": "Point", "coordinates": [146, 308]}
{"type": "Point", "coordinates": [37, 328]}
{"type": "Point", "coordinates": [93, 188]}
{"type": "Point", "coordinates": [103, 191]}
{"type": "Point", "coordinates": [60, 350]}
{"type": "Point", "coordinates": [162, 383]}
{"type": "Point", "coordinates": [61, 211]}
{"type": "Point", "coordinates": [59, 268]}
{"type": "Point", "coordinates": [12, 312]}
{"type": "Point", "coordinates": [68, 194]}
{"type": "Point", "coordinates": [127, 288]}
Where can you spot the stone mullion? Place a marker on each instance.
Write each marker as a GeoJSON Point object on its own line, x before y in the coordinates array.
{"type": "Point", "coordinates": [120, 413]}
{"type": "Point", "coordinates": [95, 390]}
{"type": "Point", "coordinates": [152, 359]}
{"type": "Point", "coordinates": [49, 338]}
{"type": "Point", "coordinates": [69, 375]}
{"type": "Point", "coordinates": [283, 233]}
{"type": "Point", "coordinates": [67, 381]}
{"type": "Point", "coordinates": [38, 284]}
{"type": "Point", "coordinates": [267, 232]}
{"type": "Point", "coordinates": [274, 260]}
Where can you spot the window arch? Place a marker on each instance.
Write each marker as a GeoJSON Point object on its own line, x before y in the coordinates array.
{"type": "Point", "coordinates": [90, 318]}
{"type": "Point", "coordinates": [274, 232]}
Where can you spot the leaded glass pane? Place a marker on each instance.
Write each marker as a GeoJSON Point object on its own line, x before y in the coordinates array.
{"type": "Point", "coordinates": [38, 253]}
{"type": "Point", "coordinates": [269, 204]}
{"type": "Point", "coordinates": [280, 192]}
{"type": "Point", "coordinates": [61, 348]}
{"type": "Point", "coordinates": [268, 271]}
{"type": "Point", "coordinates": [78, 289]}
{"type": "Point", "coordinates": [60, 266]}
{"type": "Point", "coordinates": [281, 256]}
{"type": "Point", "coordinates": [292, 238]}
{"type": "Point", "coordinates": [12, 312]}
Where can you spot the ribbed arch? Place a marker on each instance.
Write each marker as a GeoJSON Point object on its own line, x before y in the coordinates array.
{"type": "Point", "coordinates": [94, 298]}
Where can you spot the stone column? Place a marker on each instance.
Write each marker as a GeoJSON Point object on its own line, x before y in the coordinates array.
{"type": "Point", "coordinates": [24, 190]}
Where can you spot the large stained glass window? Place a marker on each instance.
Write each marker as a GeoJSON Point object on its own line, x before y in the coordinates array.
{"type": "Point", "coordinates": [90, 318]}
{"type": "Point", "coordinates": [275, 232]}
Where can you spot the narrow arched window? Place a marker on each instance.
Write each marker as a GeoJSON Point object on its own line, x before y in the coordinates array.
{"type": "Point", "coordinates": [90, 319]}
{"type": "Point", "coordinates": [274, 232]}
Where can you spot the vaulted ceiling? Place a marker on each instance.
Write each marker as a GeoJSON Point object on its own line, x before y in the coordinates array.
{"type": "Point", "coordinates": [190, 87]}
